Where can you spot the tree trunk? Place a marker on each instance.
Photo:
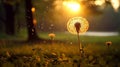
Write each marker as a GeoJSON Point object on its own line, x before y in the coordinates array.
{"type": "Point", "coordinates": [32, 35]}
{"type": "Point", "coordinates": [10, 20]}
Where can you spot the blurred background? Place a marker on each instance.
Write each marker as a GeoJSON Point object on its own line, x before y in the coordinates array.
{"type": "Point", "coordinates": [53, 15]}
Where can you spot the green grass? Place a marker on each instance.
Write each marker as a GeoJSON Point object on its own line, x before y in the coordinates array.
{"type": "Point", "coordinates": [55, 51]}
{"type": "Point", "coordinates": [95, 51]}
{"type": "Point", "coordinates": [84, 39]}
{"type": "Point", "coordinates": [67, 37]}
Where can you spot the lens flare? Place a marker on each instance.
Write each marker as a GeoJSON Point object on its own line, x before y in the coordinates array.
{"type": "Point", "coordinates": [71, 25]}
{"type": "Point", "coordinates": [73, 6]}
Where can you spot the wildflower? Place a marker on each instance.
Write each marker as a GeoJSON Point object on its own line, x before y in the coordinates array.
{"type": "Point", "coordinates": [108, 43]}
{"type": "Point", "coordinates": [52, 36]}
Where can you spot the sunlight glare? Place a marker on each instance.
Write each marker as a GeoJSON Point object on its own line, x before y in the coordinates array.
{"type": "Point", "coordinates": [115, 4]}
{"type": "Point", "coordinates": [73, 6]}
{"type": "Point", "coordinates": [99, 2]}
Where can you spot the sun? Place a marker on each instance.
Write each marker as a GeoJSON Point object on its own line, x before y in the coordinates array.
{"type": "Point", "coordinates": [71, 25]}
{"type": "Point", "coordinates": [72, 6]}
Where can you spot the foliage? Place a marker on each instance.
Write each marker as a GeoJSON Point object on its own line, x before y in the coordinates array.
{"type": "Point", "coordinates": [60, 54]}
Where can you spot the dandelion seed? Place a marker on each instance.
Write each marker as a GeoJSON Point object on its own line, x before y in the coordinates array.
{"type": "Point", "coordinates": [108, 43]}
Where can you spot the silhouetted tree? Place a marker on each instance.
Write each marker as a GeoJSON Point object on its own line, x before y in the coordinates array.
{"type": "Point", "coordinates": [9, 17]}
{"type": "Point", "coordinates": [32, 35]}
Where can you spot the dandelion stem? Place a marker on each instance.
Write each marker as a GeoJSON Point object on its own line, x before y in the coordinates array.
{"type": "Point", "coordinates": [80, 45]}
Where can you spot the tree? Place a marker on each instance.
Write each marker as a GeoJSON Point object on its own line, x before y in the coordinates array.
{"type": "Point", "coordinates": [9, 10]}
{"type": "Point", "coordinates": [9, 20]}
{"type": "Point", "coordinates": [10, 7]}
{"type": "Point", "coordinates": [32, 35]}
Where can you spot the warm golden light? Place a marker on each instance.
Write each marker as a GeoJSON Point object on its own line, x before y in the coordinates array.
{"type": "Point", "coordinates": [115, 4]}
{"type": "Point", "coordinates": [83, 23]}
{"type": "Point", "coordinates": [99, 2]}
{"type": "Point", "coordinates": [34, 21]}
{"type": "Point", "coordinates": [73, 6]}
{"type": "Point", "coordinates": [33, 9]}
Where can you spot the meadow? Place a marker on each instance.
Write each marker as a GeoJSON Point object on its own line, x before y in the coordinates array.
{"type": "Point", "coordinates": [63, 51]}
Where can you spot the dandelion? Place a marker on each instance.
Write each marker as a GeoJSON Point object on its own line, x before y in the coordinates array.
{"type": "Point", "coordinates": [108, 43]}
{"type": "Point", "coordinates": [52, 36]}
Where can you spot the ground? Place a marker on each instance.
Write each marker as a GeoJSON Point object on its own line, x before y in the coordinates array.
{"type": "Point", "coordinates": [16, 52]}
